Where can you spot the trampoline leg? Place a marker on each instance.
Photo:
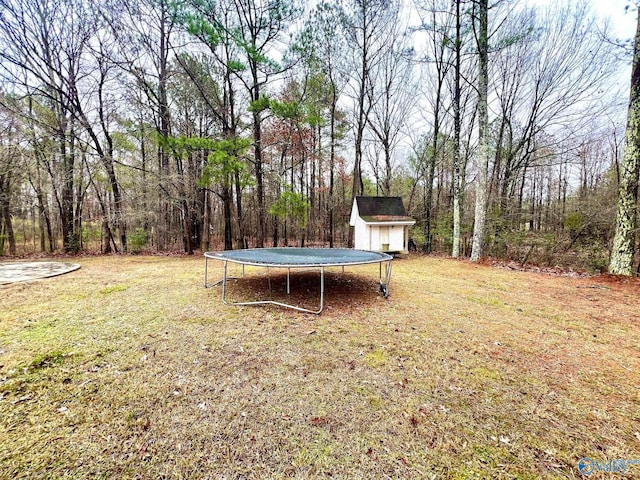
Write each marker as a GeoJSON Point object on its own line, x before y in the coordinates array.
{"type": "Point", "coordinates": [218, 282]}
{"type": "Point", "coordinates": [321, 290]}
{"type": "Point", "coordinates": [288, 273]}
{"type": "Point", "coordinates": [384, 286]}
{"type": "Point", "coordinates": [271, 302]}
{"type": "Point", "coordinates": [224, 283]}
{"type": "Point", "coordinates": [387, 279]}
{"type": "Point", "coordinates": [206, 275]}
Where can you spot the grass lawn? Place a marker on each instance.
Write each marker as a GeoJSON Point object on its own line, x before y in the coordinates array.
{"type": "Point", "coordinates": [129, 368]}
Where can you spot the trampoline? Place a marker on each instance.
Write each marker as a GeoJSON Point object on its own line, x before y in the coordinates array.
{"type": "Point", "coordinates": [296, 258]}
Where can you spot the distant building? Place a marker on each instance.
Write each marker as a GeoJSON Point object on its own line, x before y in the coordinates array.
{"type": "Point", "coordinates": [381, 224]}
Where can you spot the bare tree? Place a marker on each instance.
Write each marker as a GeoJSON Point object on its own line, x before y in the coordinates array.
{"type": "Point", "coordinates": [392, 98]}
{"type": "Point", "coordinates": [143, 30]}
{"type": "Point", "coordinates": [550, 74]}
{"type": "Point", "coordinates": [364, 23]}
{"type": "Point", "coordinates": [94, 107]}
{"type": "Point", "coordinates": [42, 48]}
{"type": "Point", "coordinates": [10, 127]}
{"type": "Point", "coordinates": [437, 21]}
{"type": "Point", "coordinates": [624, 243]}
{"type": "Point", "coordinates": [324, 45]}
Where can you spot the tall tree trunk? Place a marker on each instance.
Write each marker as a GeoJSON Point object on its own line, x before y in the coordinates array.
{"type": "Point", "coordinates": [361, 119]}
{"type": "Point", "coordinates": [145, 193]}
{"type": "Point", "coordinates": [312, 191]}
{"type": "Point", "coordinates": [8, 228]}
{"type": "Point", "coordinates": [386, 181]}
{"type": "Point", "coordinates": [45, 228]}
{"type": "Point", "coordinates": [69, 240]}
{"type": "Point", "coordinates": [358, 185]}
{"type": "Point", "coordinates": [164, 214]}
{"type": "Point", "coordinates": [241, 241]}
{"type": "Point", "coordinates": [622, 253]}
{"type": "Point", "coordinates": [106, 154]}
{"type": "Point", "coordinates": [118, 217]}
{"type": "Point", "coordinates": [186, 227]}
{"type": "Point", "coordinates": [332, 164]}
{"type": "Point", "coordinates": [276, 233]}
{"type": "Point", "coordinates": [107, 236]}
{"type": "Point", "coordinates": [457, 174]}
{"type": "Point", "coordinates": [483, 131]}
{"type": "Point", "coordinates": [227, 203]}
{"type": "Point", "coordinates": [257, 159]}
{"type": "Point", "coordinates": [428, 198]}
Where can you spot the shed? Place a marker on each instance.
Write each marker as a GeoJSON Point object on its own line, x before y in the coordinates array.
{"type": "Point", "coordinates": [381, 224]}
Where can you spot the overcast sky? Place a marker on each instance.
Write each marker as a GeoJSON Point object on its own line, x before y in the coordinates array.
{"type": "Point", "coordinates": [623, 18]}
{"type": "Point", "coordinates": [623, 14]}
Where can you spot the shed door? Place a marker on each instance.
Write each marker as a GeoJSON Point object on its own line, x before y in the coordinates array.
{"type": "Point", "coordinates": [384, 238]}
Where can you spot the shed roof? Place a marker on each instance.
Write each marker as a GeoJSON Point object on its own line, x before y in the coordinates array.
{"type": "Point", "coordinates": [382, 209]}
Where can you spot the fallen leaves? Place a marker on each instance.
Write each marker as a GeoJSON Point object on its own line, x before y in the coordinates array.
{"type": "Point", "coordinates": [319, 421]}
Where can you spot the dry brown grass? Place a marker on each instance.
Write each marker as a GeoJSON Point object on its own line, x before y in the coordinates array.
{"type": "Point", "coordinates": [129, 368]}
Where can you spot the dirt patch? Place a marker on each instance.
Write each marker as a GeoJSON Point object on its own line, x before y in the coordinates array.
{"type": "Point", "coordinates": [343, 292]}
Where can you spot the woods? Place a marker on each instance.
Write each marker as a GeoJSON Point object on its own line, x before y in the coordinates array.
{"type": "Point", "coordinates": [133, 125]}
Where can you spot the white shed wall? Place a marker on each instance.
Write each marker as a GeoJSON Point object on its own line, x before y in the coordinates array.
{"type": "Point", "coordinates": [372, 237]}
{"type": "Point", "coordinates": [361, 235]}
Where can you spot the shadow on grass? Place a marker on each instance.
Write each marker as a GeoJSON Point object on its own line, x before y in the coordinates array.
{"type": "Point", "coordinates": [343, 291]}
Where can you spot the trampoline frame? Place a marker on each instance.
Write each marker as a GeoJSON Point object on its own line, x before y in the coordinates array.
{"type": "Point", "coordinates": [220, 256]}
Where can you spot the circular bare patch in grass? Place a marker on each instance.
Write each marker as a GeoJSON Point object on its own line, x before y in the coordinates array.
{"type": "Point", "coordinates": [11, 272]}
